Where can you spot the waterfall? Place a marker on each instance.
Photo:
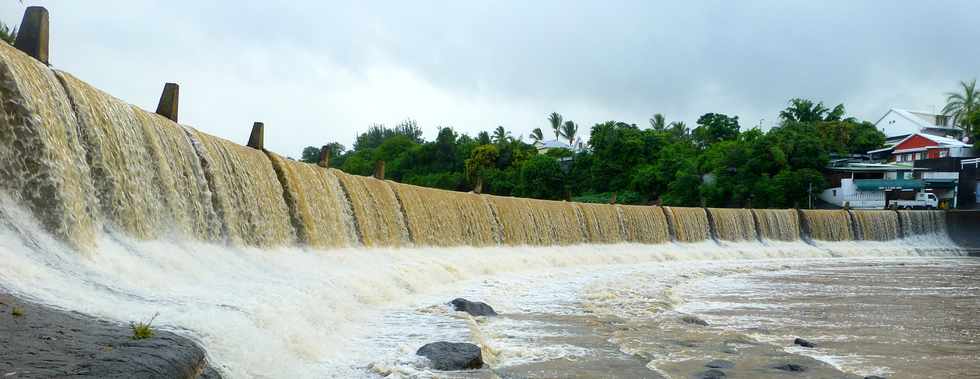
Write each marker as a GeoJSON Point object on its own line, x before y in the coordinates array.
{"type": "Point", "coordinates": [778, 224]}
{"type": "Point", "coordinates": [644, 224]}
{"type": "Point", "coordinates": [446, 218]}
{"type": "Point", "coordinates": [537, 222]}
{"type": "Point", "coordinates": [82, 161]}
{"type": "Point", "coordinates": [129, 152]}
{"type": "Point", "coordinates": [690, 224]}
{"type": "Point", "coordinates": [877, 225]}
{"type": "Point", "coordinates": [377, 212]}
{"type": "Point", "coordinates": [320, 211]}
{"type": "Point", "coordinates": [602, 223]}
{"type": "Point", "coordinates": [918, 223]}
{"type": "Point", "coordinates": [828, 225]}
{"type": "Point", "coordinates": [42, 160]}
{"type": "Point", "coordinates": [248, 193]}
{"type": "Point", "coordinates": [733, 224]}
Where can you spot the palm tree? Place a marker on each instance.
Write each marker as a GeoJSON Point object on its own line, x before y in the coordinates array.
{"type": "Point", "coordinates": [658, 122]}
{"type": "Point", "coordinates": [555, 119]}
{"type": "Point", "coordinates": [959, 105]}
{"type": "Point", "coordinates": [568, 130]}
{"type": "Point", "coordinates": [678, 128]}
{"type": "Point", "coordinates": [500, 135]}
{"type": "Point", "coordinates": [7, 34]}
{"type": "Point", "coordinates": [537, 135]}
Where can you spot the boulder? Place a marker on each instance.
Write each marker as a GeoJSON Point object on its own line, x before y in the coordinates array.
{"type": "Point", "coordinates": [711, 374]}
{"type": "Point", "coordinates": [474, 308]}
{"type": "Point", "coordinates": [693, 320]}
{"type": "Point", "coordinates": [874, 377]}
{"type": "Point", "coordinates": [804, 343]}
{"type": "Point", "coordinates": [791, 367]}
{"type": "Point", "coordinates": [719, 363]}
{"type": "Point", "coordinates": [449, 356]}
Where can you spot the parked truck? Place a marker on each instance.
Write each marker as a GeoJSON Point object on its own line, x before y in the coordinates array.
{"type": "Point", "coordinates": [923, 200]}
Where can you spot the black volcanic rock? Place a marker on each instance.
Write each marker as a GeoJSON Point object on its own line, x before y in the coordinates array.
{"type": "Point", "coordinates": [39, 341]}
{"type": "Point", "coordinates": [712, 374]}
{"type": "Point", "coordinates": [804, 343]}
{"type": "Point", "coordinates": [791, 367]}
{"type": "Point", "coordinates": [474, 308]}
{"type": "Point", "coordinates": [449, 356]}
{"type": "Point", "coordinates": [718, 363]}
{"type": "Point", "coordinates": [694, 320]}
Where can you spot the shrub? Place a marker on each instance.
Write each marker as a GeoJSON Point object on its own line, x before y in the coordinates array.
{"type": "Point", "coordinates": [141, 329]}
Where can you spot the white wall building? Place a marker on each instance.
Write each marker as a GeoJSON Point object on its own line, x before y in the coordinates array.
{"type": "Point", "coordinates": [899, 123]}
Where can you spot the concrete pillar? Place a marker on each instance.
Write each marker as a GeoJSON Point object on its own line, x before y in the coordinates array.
{"type": "Point", "coordinates": [478, 187]}
{"type": "Point", "coordinates": [32, 37]}
{"type": "Point", "coordinates": [324, 157]}
{"type": "Point", "coordinates": [167, 107]}
{"type": "Point", "coordinates": [379, 170]}
{"type": "Point", "coordinates": [257, 139]}
{"type": "Point", "coordinates": [612, 199]}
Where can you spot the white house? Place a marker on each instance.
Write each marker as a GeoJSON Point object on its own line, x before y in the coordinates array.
{"type": "Point", "coordinates": [544, 146]}
{"type": "Point", "coordinates": [900, 123]}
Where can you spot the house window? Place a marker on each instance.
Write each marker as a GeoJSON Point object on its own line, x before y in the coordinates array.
{"type": "Point", "coordinates": [943, 153]}
{"type": "Point", "coordinates": [898, 158]}
{"type": "Point", "coordinates": [941, 120]}
{"type": "Point", "coordinates": [908, 157]}
{"type": "Point", "coordinates": [918, 156]}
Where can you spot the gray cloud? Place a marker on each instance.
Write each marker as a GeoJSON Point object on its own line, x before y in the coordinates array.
{"type": "Point", "coordinates": [320, 71]}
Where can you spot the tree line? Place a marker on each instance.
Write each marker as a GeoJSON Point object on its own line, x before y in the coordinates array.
{"type": "Point", "coordinates": [715, 163]}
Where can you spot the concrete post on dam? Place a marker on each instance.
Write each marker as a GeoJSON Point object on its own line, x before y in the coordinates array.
{"type": "Point", "coordinates": [379, 170]}
{"type": "Point", "coordinates": [324, 157]}
{"type": "Point", "coordinates": [32, 37]}
{"type": "Point", "coordinates": [256, 140]}
{"type": "Point", "coordinates": [169, 99]}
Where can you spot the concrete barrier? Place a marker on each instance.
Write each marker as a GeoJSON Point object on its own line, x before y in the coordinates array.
{"type": "Point", "coordinates": [963, 227]}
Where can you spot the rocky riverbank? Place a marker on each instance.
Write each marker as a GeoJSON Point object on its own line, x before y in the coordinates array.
{"type": "Point", "coordinates": [40, 342]}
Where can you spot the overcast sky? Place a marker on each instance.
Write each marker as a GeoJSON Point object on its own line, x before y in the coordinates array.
{"type": "Point", "coordinates": [318, 71]}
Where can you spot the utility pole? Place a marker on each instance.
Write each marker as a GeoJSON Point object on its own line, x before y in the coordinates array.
{"type": "Point", "coordinates": [809, 194]}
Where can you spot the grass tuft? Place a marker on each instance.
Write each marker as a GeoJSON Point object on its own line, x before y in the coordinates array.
{"type": "Point", "coordinates": [17, 311]}
{"type": "Point", "coordinates": [142, 329]}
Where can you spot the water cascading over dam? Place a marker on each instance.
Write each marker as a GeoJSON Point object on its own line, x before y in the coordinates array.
{"type": "Point", "coordinates": [733, 224]}
{"type": "Point", "coordinates": [83, 161]}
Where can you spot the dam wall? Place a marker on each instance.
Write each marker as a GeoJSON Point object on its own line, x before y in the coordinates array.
{"type": "Point", "coordinates": [84, 163]}
{"type": "Point", "coordinates": [963, 227]}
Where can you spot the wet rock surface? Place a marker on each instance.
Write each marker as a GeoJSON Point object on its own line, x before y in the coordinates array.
{"type": "Point", "coordinates": [804, 343]}
{"type": "Point", "coordinates": [449, 356]}
{"type": "Point", "coordinates": [474, 308]}
{"type": "Point", "coordinates": [712, 374]}
{"type": "Point", "coordinates": [790, 367]}
{"type": "Point", "coordinates": [693, 320]}
{"type": "Point", "coordinates": [718, 363]}
{"type": "Point", "coordinates": [42, 342]}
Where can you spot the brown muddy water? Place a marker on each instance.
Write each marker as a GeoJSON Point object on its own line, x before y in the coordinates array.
{"type": "Point", "coordinates": [888, 317]}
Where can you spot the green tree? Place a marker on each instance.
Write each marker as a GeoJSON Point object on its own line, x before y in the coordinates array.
{"type": "Point", "coordinates": [715, 127]}
{"type": "Point", "coordinates": [378, 133]}
{"type": "Point", "coordinates": [568, 130]}
{"type": "Point", "coordinates": [310, 154]}
{"type": "Point", "coordinates": [537, 135]}
{"type": "Point", "coordinates": [501, 136]}
{"type": "Point", "coordinates": [804, 110]}
{"type": "Point", "coordinates": [483, 159]}
{"type": "Point", "coordinates": [541, 178]}
{"type": "Point", "coordinates": [8, 34]}
{"type": "Point", "coordinates": [959, 105]}
{"type": "Point", "coordinates": [555, 120]}
{"type": "Point", "coordinates": [658, 122]}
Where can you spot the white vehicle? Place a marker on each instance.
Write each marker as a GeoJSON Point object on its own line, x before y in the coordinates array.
{"type": "Point", "coordinates": [923, 200]}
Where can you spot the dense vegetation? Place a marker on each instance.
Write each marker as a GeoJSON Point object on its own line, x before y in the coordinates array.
{"type": "Point", "coordinates": [716, 163]}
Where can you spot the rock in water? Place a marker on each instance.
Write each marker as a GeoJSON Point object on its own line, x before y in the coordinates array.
{"type": "Point", "coordinates": [694, 320]}
{"type": "Point", "coordinates": [474, 308]}
{"type": "Point", "coordinates": [791, 367]}
{"type": "Point", "coordinates": [873, 377]}
{"type": "Point", "coordinates": [718, 363]}
{"type": "Point", "coordinates": [804, 343]}
{"type": "Point", "coordinates": [448, 356]}
{"type": "Point", "coordinates": [712, 374]}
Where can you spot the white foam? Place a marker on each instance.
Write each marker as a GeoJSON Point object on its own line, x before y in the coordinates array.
{"type": "Point", "coordinates": [291, 312]}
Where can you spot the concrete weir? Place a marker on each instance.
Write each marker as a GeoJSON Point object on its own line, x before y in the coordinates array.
{"type": "Point", "coordinates": [963, 227]}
